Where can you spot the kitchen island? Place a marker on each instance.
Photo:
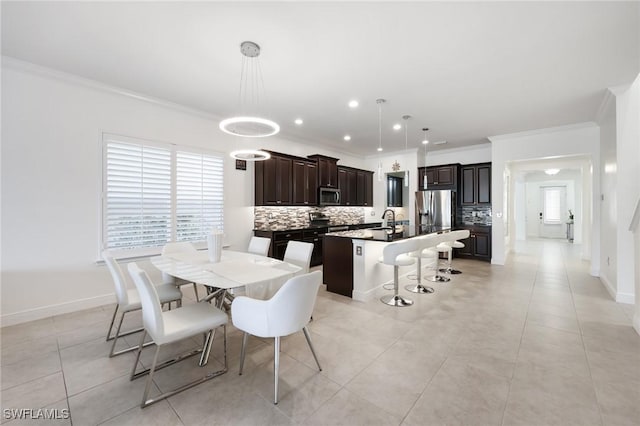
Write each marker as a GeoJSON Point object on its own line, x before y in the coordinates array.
{"type": "Point", "coordinates": [351, 266]}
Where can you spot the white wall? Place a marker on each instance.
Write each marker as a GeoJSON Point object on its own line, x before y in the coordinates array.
{"type": "Point", "coordinates": [607, 205]}
{"type": "Point", "coordinates": [407, 161]}
{"type": "Point", "coordinates": [627, 185]}
{"type": "Point", "coordinates": [467, 155]}
{"type": "Point", "coordinates": [51, 182]}
{"type": "Point", "coordinates": [580, 139]}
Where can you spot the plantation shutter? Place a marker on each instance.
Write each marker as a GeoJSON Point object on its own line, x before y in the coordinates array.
{"type": "Point", "coordinates": [154, 193]}
{"type": "Point", "coordinates": [199, 195]}
{"type": "Point", "coordinates": [138, 195]}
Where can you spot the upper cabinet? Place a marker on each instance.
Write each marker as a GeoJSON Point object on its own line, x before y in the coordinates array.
{"type": "Point", "coordinates": [286, 180]}
{"type": "Point", "coordinates": [327, 170]}
{"type": "Point", "coordinates": [273, 181]}
{"type": "Point", "coordinates": [305, 183]}
{"type": "Point", "coordinates": [438, 177]}
{"type": "Point", "coordinates": [475, 184]}
{"type": "Point", "coordinates": [356, 186]}
{"type": "Point", "coordinates": [364, 185]}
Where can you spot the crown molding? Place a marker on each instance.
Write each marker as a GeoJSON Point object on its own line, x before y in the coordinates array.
{"type": "Point", "coordinates": [608, 97]}
{"type": "Point", "coordinates": [29, 67]}
{"type": "Point", "coordinates": [557, 129]}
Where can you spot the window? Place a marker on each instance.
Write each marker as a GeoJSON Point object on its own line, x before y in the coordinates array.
{"type": "Point", "coordinates": [155, 193]}
{"type": "Point", "coordinates": [552, 201]}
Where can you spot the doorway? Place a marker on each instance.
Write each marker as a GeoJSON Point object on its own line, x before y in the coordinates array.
{"type": "Point", "coordinates": [553, 205]}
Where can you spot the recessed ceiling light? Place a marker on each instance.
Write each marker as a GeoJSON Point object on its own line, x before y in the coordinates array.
{"type": "Point", "coordinates": [552, 172]}
{"type": "Point", "coordinates": [379, 149]}
{"type": "Point", "coordinates": [424, 142]}
{"type": "Point", "coordinates": [298, 121]}
{"type": "Point", "coordinates": [353, 104]}
{"type": "Point", "coordinates": [397, 126]}
{"type": "Point", "coordinates": [347, 138]}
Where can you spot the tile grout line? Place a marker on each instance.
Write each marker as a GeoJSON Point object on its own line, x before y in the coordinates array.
{"type": "Point", "coordinates": [64, 381]}
{"type": "Point", "coordinates": [524, 325]}
{"type": "Point", "coordinates": [584, 348]}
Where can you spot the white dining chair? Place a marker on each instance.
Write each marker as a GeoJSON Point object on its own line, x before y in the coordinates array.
{"type": "Point", "coordinates": [287, 312]}
{"type": "Point", "coordinates": [179, 247]}
{"type": "Point", "coordinates": [299, 254]}
{"type": "Point", "coordinates": [129, 300]}
{"type": "Point", "coordinates": [166, 327]}
{"type": "Point", "coordinates": [259, 245]}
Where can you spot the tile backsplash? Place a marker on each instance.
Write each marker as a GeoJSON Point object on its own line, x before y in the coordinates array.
{"type": "Point", "coordinates": [475, 215]}
{"type": "Point", "coordinates": [298, 217]}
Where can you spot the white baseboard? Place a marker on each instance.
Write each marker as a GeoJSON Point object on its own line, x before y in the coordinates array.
{"type": "Point", "coordinates": [608, 286]}
{"type": "Point", "coordinates": [627, 298]}
{"type": "Point", "coordinates": [365, 296]}
{"type": "Point", "coordinates": [51, 310]}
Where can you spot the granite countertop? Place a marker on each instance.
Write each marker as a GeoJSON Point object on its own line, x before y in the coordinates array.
{"type": "Point", "coordinates": [274, 228]}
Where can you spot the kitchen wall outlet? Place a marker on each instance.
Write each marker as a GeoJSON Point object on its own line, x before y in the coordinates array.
{"type": "Point", "coordinates": [358, 251]}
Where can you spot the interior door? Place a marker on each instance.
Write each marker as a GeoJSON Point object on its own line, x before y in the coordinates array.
{"type": "Point", "coordinates": [553, 214]}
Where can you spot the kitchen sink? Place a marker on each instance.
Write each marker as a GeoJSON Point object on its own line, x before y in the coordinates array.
{"type": "Point", "coordinates": [385, 234]}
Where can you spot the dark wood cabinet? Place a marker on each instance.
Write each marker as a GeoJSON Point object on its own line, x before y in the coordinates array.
{"type": "Point", "coordinates": [368, 188]}
{"type": "Point", "coordinates": [286, 180]}
{"type": "Point", "coordinates": [356, 186]}
{"type": "Point", "coordinates": [475, 184]}
{"type": "Point", "coordinates": [327, 170]}
{"type": "Point", "coordinates": [280, 239]}
{"type": "Point", "coordinates": [477, 246]}
{"type": "Point", "coordinates": [438, 177]}
{"type": "Point", "coordinates": [337, 271]}
{"type": "Point", "coordinates": [305, 183]}
{"type": "Point", "coordinates": [394, 191]}
{"type": "Point", "coordinates": [273, 181]}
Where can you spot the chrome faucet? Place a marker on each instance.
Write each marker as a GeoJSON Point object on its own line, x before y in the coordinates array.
{"type": "Point", "coordinates": [393, 219]}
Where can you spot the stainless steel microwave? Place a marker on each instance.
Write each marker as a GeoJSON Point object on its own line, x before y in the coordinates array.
{"type": "Point", "coordinates": [328, 196]}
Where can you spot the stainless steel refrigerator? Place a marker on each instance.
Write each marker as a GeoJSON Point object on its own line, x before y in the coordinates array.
{"type": "Point", "coordinates": [434, 211]}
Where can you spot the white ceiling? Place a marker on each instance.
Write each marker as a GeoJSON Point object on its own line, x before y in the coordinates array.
{"type": "Point", "coordinates": [466, 70]}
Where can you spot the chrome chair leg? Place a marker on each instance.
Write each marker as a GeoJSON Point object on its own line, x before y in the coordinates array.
{"type": "Point", "coordinates": [306, 334]}
{"type": "Point", "coordinates": [113, 319]}
{"type": "Point", "coordinates": [276, 368]}
{"type": "Point", "coordinates": [113, 352]}
{"type": "Point", "coordinates": [245, 337]}
{"type": "Point", "coordinates": [206, 348]}
{"type": "Point", "coordinates": [152, 370]}
{"type": "Point", "coordinates": [195, 290]}
{"type": "Point", "coordinates": [155, 367]}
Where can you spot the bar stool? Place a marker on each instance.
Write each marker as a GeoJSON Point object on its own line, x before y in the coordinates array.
{"type": "Point", "coordinates": [396, 254]}
{"type": "Point", "coordinates": [419, 255]}
{"type": "Point", "coordinates": [440, 273]}
{"type": "Point", "coordinates": [452, 244]}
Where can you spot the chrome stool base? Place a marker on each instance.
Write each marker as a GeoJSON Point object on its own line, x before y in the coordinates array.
{"type": "Point", "coordinates": [451, 271]}
{"type": "Point", "coordinates": [439, 279]}
{"type": "Point", "coordinates": [396, 300]}
{"type": "Point", "coordinates": [419, 288]}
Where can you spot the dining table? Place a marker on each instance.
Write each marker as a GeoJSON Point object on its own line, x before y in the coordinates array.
{"type": "Point", "coordinates": [261, 276]}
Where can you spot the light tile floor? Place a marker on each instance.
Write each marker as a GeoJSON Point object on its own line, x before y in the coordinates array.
{"type": "Point", "coordinates": [535, 342]}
